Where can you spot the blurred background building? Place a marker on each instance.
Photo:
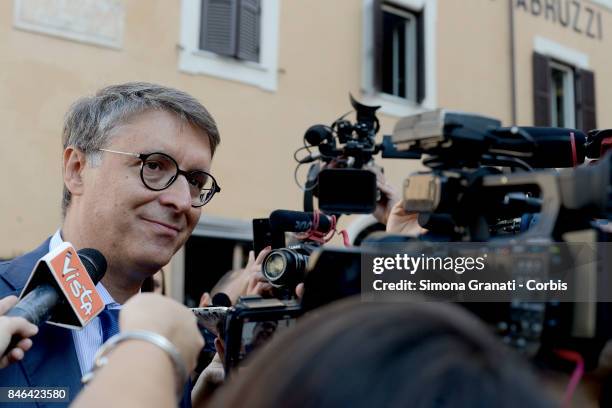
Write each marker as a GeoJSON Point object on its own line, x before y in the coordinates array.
{"type": "Point", "coordinates": [267, 70]}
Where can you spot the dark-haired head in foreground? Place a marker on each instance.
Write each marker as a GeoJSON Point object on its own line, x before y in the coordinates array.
{"type": "Point", "coordinates": [356, 354]}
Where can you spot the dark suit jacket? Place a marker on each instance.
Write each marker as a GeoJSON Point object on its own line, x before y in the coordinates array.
{"type": "Point", "coordinates": [52, 360]}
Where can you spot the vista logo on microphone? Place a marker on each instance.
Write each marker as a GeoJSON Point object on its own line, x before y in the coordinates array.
{"type": "Point", "coordinates": [70, 275]}
{"type": "Point", "coordinates": [75, 282]}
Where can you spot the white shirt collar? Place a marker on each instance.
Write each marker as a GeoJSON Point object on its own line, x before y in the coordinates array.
{"type": "Point", "coordinates": [106, 297]}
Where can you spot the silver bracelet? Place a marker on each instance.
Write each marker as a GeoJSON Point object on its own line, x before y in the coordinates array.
{"type": "Point", "coordinates": [100, 360]}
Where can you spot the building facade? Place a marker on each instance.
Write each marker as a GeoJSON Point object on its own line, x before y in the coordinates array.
{"type": "Point", "coordinates": [267, 70]}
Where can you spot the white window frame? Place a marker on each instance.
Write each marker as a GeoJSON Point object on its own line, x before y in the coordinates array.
{"type": "Point", "coordinates": [560, 52]}
{"type": "Point", "coordinates": [193, 60]}
{"type": "Point", "coordinates": [410, 52]}
{"type": "Point", "coordinates": [391, 104]}
{"type": "Point", "coordinates": [569, 99]}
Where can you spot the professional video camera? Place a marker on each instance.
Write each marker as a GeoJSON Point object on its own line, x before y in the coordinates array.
{"type": "Point", "coordinates": [467, 192]}
{"type": "Point", "coordinates": [486, 185]}
{"type": "Point", "coordinates": [344, 148]}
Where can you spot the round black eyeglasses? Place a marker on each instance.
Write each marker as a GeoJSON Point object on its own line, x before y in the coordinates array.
{"type": "Point", "coordinates": [158, 171]}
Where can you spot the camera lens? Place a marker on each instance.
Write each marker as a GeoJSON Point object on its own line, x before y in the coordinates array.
{"type": "Point", "coordinates": [275, 266]}
{"type": "Point", "coordinates": [284, 267]}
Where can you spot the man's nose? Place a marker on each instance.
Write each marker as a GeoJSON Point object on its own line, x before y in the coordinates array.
{"type": "Point", "coordinates": [178, 195]}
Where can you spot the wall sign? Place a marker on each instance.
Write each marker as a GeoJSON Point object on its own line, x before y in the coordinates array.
{"type": "Point", "coordinates": [97, 22]}
{"type": "Point", "coordinates": [572, 14]}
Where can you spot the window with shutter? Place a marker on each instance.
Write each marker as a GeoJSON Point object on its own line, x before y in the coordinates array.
{"type": "Point", "coordinates": [585, 100]}
{"type": "Point", "coordinates": [248, 30]}
{"type": "Point", "coordinates": [563, 94]}
{"type": "Point", "coordinates": [218, 26]}
{"type": "Point", "coordinates": [398, 69]}
{"type": "Point", "coordinates": [235, 40]}
{"type": "Point", "coordinates": [231, 28]}
{"type": "Point", "coordinates": [541, 90]}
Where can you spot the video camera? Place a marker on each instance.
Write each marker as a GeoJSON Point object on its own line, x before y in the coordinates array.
{"type": "Point", "coordinates": [344, 148]}
{"type": "Point", "coordinates": [482, 174]}
{"type": "Point", "coordinates": [487, 184]}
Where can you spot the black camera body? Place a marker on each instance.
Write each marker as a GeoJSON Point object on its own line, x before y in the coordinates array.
{"type": "Point", "coordinates": [284, 267]}
{"type": "Point", "coordinates": [252, 321]}
{"type": "Point", "coordinates": [492, 184]}
{"type": "Point", "coordinates": [338, 180]}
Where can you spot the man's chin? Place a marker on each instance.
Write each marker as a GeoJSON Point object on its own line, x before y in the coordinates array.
{"type": "Point", "coordinates": [156, 259]}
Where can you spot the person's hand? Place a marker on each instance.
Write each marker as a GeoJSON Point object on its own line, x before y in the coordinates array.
{"type": "Point", "coordinates": [403, 222]}
{"type": "Point", "coordinates": [167, 317]}
{"type": "Point", "coordinates": [209, 380]}
{"type": "Point", "coordinates": [241, 282]}
{"type": "Point", "coordinates": [389, 195]}
{"type": "Point", "coordinates": [257, 283]}
{"type": "Point", "coordinates": [205, 300]}
{"type": "Point", "coordinates": [299, 290]}
{"type": "Point", "coordinates": [10, 326]}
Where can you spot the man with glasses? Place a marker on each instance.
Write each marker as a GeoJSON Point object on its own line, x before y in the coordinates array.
{"type": "Point", "coordinates": [136, 169]}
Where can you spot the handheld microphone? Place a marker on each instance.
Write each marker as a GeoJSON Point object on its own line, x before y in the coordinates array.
{"type": "Point", "coordinates": [61, 289]}
{"type": "Point", "coordinates": [297, 221]}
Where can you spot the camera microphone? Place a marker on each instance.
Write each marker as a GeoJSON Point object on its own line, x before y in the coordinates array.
{"type": "Point", "coordinates": [297, 221]}
{"type": "Point", "coordinates": [317, 134]}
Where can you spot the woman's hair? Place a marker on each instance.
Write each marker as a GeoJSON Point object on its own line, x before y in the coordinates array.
{"type": "Point", "coordinates": [359, 354]}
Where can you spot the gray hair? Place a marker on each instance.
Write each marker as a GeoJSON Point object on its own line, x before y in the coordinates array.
{"type": "Point", "coordinates": [89, 123]}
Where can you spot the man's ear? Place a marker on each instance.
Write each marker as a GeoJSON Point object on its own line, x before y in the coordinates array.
{"type": "Point", "coordinates": [74, 164]}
